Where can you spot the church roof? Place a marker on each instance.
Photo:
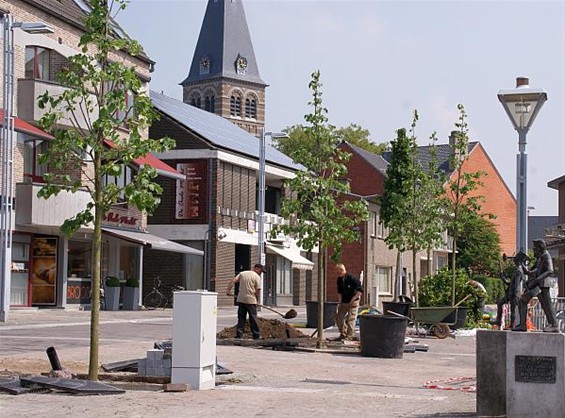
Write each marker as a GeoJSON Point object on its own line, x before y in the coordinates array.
{"type": "Point", "coordinates": [218, 131]}
{"type": "Point", "coordinates": [224, 41]}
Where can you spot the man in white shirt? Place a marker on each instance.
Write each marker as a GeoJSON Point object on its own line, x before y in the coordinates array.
{"type": "Point", "coordinates": [247, 299]}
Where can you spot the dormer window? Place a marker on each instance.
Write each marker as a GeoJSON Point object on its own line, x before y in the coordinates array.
{"type": "Point", "coordinates": [204, 66]}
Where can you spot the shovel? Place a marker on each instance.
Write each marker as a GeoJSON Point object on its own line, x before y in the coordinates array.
{"type": "Point", "coordinates": [289, 315]}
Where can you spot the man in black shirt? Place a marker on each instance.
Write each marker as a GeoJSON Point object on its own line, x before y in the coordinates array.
{"type": "Point", "coordinates": [349, 291]}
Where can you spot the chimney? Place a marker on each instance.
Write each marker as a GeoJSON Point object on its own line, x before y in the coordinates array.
{"type": "Point", "coordinates": [522, 82]}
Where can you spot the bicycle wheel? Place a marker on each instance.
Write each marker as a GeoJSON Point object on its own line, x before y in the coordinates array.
{"type": "Point", "coordinates": [153, 300]}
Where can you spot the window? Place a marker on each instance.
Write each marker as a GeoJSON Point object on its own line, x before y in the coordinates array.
{"type": "Point", "coordinates": [120, 181]}
{"type": "Point", "coordinates": [384, 279]}
{"type": "Point", "coordinates": [284, 276]}
{"type": "Point", "coordinates": [37, 63]}
{"type": "Point", "coordinates": [235, 106]}
{"type": "Point", "coordinates": [441, 261]}
{"type": "Point", "coordinates": [210, 103]}
{"type": "Point", "coordinates": [374, 224]}
{"type": "Point", "coordinates": [33, 148]}
{"type": "Point", "coordinates": [251, 108]}
{"type": "Point", "coordinates": [196, 101]}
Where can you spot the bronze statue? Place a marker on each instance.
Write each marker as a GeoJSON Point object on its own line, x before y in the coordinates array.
{"type": "Point", "coordinates": [541, 276]}
{"type": "Point", "coordinates": [513, 286]}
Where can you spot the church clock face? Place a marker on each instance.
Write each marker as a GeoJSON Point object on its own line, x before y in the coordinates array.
{"type": "Point", "coordinates": [241, 65]}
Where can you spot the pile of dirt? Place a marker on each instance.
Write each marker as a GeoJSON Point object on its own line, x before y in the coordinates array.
{"type": "Point", "coordinates": [270, 328]}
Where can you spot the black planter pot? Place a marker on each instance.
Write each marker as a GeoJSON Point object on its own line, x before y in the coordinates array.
{"type": "Point", "coordinates": [330, 311]}
{"type": "Point", "coordinates": [402, 308]}
{"type": "Point", "coordinates": [382, 336]}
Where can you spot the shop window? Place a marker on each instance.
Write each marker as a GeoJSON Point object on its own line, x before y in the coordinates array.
{"type": "Point", "coordinates": [37, 62]}
{"type": "Point", "coordinates": [129, 262]}
{"type": "Point", "coordinates": [284, 276]}
{"type": "Point", "coordinates": [33, 148]}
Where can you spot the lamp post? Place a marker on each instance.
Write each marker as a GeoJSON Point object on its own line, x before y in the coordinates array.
{"type": "Point", "coordinates": [261, 203]}
{"type": "Point", "coordinates": [522, 105]}
{"type": "Point", "coordinates": [7, 172]}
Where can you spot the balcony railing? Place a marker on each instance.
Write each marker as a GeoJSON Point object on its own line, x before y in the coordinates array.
{"type": "Point", "coordinates": [33, 210]}
{"type": "Point", "coordinates": [555, 236]}
{"type": "Point", "coordinates": [30, 89]}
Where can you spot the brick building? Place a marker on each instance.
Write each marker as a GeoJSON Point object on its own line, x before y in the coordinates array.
{"type": "Point", "coordinates": [44, 267]}
{"type": "Point", "coordinates": [215, 207]}
{"type": "Point", "coordinates": [371, 256]}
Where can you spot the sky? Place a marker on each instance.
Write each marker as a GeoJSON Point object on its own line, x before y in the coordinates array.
{"type": "Point", "coordinates": [381, 60]}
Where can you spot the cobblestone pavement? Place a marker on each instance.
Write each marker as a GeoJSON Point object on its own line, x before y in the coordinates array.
{"type": "Point", "coordinates": [265, 382]}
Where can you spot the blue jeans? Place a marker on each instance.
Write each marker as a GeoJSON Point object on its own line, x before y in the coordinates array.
{"type": "Point", "coordinates": [242, 311]}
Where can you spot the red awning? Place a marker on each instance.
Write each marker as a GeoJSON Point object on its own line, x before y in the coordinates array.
{"type": "Point", "coordinates": [162, 168]}
{"type": "Point", "coordinates": [24, 127]}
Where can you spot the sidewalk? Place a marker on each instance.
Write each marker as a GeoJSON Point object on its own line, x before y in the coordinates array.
{"type": "Point", "coordinates": [264, 383]}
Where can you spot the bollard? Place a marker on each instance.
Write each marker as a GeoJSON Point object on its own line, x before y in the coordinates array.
{"type": "Point", "coordinates": [53, 358]}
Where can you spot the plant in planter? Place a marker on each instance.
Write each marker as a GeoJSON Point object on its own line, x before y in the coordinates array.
{"type": "Point", "coordinates": [112, 293]}
{"type": "Point", "coordinates": [131, 294]}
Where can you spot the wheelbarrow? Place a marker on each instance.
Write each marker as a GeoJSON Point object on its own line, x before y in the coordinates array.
{"type": "Point", "coordinates": [438, 317]}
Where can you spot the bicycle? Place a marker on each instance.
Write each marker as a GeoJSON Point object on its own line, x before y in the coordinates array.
{"type": "Point", "coordinates": [161, 295]}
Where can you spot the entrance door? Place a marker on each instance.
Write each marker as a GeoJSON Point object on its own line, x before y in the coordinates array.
{"type": "Point", "coordinates": [242, 262]}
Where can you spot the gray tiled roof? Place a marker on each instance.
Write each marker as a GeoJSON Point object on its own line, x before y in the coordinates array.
{"type": "Point", "coordinates": [443, 153]}
{"type": "Point", "coordinates": [375, 160]}
{"type": "Point", "coordinates": [224, 36]}
{"type": "Point", "coordinates": [218, 131]}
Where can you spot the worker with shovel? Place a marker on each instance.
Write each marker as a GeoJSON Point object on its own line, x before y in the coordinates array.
{"type": "Point", "coordinates": [249, 291]}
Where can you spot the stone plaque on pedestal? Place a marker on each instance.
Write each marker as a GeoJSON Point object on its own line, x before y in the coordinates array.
{"type": "Point", "coordinates": [520, 374]}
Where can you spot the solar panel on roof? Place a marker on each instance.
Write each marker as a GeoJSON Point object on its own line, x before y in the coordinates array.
{"type": "Point", "coordinates": [218, 131]}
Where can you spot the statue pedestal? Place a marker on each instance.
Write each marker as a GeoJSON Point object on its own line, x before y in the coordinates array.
{"type": "Point", "coordinates": [520, 374]}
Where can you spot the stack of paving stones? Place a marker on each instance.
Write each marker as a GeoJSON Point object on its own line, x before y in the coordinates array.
{"type": "Point", "coordinates": [157, 364]}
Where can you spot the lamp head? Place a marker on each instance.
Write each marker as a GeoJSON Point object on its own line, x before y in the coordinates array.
{"type": "Point", "coordinates": [522, 104]}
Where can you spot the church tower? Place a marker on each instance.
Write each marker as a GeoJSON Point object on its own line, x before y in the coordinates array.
{"type": "Point", "coordinates": [224, 77]}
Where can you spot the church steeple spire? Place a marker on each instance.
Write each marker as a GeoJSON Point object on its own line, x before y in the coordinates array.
{"type": "Point", "coordinates": [224, 76]}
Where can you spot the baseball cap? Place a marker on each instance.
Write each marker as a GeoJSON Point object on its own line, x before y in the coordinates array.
{"type": "Point", "coordinates": [259, 266]}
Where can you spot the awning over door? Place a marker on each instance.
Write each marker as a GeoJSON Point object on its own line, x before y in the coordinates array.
{"type": "Point", "coordinates": [152, 241]}
{"type": "Point", "coordinates": [298, 262]}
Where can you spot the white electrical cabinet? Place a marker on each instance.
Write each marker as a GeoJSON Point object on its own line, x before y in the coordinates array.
{"type": "Point", "coordinates": [195, 316]}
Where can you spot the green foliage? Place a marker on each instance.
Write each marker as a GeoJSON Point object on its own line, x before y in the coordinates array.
{"type": "Point", "coordinates": [437, 291]}
{"type": "Point", "coordinates": [104, 134]}
{"type": "Point", "coordinates": [322, 215]}
{"type": "Point", "coordinates": [353, 134]}
{"type": "Point", "coordinates": [461, 202]}
{"type": "Point", "coordinates": [112, 281]}
{"type": "Point", "coordinates": [132, 282]}
{"type": "Point", "coordinates": [479, 247]}
{"type": "Point", "coordinates": [412, 198]}
{"type": "Point", "coordinates": [322, 219]}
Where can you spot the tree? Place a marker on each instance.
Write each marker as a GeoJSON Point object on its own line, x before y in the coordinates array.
{"type": "Point", "coordinates": [324, 216]}
{"type": "Point", "coordinates": [424, 226]}
{"type": "Point", "coordinates": [98, 81]}
{"type": "Point", "coordinates": [353, 134]}
{"type": "Point", "coordinates": [411, 201]}
{"type": "Point", "coordinates": [398, 195]}
{"type": "Point", "coordinates": [461, 202]}
{"type": "Point", "coordinates": [479, 247]}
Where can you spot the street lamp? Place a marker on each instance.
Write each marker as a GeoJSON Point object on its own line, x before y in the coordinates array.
{"type": "Point", "coordinates": [7, 172]}
{"type": "Point", "coordinates": [522, 105]}
{"type": "Point", "coordinates": [261, 203]}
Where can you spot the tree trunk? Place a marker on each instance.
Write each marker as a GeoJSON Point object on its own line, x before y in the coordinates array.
{"type": "Point", "coordinates": [321, 343]}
